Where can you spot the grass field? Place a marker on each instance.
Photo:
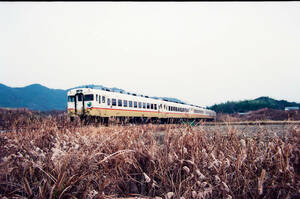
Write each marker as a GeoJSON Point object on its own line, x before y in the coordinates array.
{"type": "Point", "coordinates": [52, 157]}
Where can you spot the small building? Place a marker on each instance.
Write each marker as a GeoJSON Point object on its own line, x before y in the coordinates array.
{"type": "Point", "coordinates": [291, 108]}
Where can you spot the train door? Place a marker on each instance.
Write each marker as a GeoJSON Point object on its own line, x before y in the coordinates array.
{"type": "Point", "coordinates": [160, 111]}
{"type": "Point", "coordinates": [104, 103]}
{"type": "Point", "coordinates": [71, 102]}
{"type": "Point", "coordinates": [79, 103]}
{"type": "Point", "coordinates": [160, 108]}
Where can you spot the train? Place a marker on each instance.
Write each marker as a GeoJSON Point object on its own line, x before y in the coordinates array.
{"type": "Point", "coordinates": [105, 104]}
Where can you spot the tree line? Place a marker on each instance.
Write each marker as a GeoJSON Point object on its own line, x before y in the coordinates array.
{"type": "Point", "coordinates": [251, 105]}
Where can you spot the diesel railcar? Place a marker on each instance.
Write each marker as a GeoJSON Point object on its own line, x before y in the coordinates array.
{"type": "Point", "coordinates": [105, 103]}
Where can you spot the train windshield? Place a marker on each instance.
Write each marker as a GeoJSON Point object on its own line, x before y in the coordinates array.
{"type": "Point", "coordinates": [88, 97]}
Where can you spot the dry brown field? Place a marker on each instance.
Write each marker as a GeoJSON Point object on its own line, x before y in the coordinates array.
{"type": "Point", "coordinates": [52, 157]}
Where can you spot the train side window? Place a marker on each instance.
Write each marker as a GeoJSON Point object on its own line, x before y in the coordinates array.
{"type": "Point", "coordinates": [89, 97]}
{"type": "Point", "coordinates": [125, 103]}
{"type": "Point", "coordinates": [144, 105]}
{"type": "Point", "coordinates": [140, 104]}
{"type": "Point", "coordinates": [99, 99]}
{"type": "Point", "coordinates": [96, 97]}
{"type": "Point", "coordinates": [113, 102]}
{"type": "Point", "coordinates": [155, 106]}
{"type": "Point", "coordinates": [152, 107]}
{"type": "Point", "coordinates": [103, 99]}
{"type": "Point", "coordinates": [148, 106]}
{"type": "Point", "coordinates": [135, 104]}
{"type": "Point", "coordinates": [119, 102]}
{"type": "Point", "coordinates": [108, 101]}
{"type": "Point", "coordinates": [130, 103]}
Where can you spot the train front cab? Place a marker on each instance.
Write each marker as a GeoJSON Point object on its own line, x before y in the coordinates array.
{"type": "Point", "coordinates": [78, 103]}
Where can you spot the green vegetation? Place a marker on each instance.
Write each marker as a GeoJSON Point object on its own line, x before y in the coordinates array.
{"type": "Point", "coordinates": [251, 105]}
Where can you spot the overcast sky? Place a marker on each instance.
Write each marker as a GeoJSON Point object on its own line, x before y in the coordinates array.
{"type": "Point", "coordinates": [200, 52]}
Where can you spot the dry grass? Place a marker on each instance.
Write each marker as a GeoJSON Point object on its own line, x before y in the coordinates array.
{"type": "Point", "coordinates": [51, 157]}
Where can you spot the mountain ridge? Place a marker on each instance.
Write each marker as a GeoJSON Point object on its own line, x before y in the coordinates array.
{"type": "Point", "coordinates": [34, 97]}
{"type": "Point", "coordinates": [39, 97]}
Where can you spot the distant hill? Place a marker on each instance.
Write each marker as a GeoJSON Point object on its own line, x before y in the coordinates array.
{"type": "Point", "coordinates": [34, 97]}
{"type": "Point", "coordinates": [251, 105]}
{"type": "Point", "coordinates": [41, 98]}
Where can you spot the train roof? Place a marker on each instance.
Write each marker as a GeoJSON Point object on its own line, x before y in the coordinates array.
{"type": "Point", "coordinates": [117, 90]}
